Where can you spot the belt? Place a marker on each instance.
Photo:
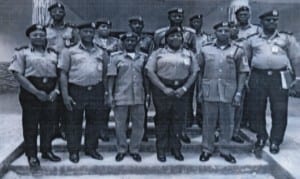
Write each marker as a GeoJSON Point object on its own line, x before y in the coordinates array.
{"type": "Point", "coordinates": [173, 83]}
{"type": "Point", "coordinates": [88, 87]}
{"type": "Point", "coordinates": [268, 72]}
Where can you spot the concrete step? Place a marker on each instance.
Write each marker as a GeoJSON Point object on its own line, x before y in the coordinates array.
{"type": "Point", "coordinates": [59, 145]}
{"type": "Point", "coordinates": [246, 163]}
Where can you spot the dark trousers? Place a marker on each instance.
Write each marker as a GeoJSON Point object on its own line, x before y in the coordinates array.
{"type": "Point", "coordinates": [106, 117]}
{"type": "Point", "coordinates": [266, 85]}
{"type": "Point", "coordinates": [190, 110]}
{"type": "Point", "coordinates": [89, 102]}
{"type": "Point", "coordinates": [36, 113]}
{"type": "Point", "coordinates": [169, 119]}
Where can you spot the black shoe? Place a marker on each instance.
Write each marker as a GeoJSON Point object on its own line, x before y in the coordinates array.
{"type": "Point", "coordinates": [145, 138]}
{"type": "Point", "coordinates": [136, 157]}
{"type": "Point", "coordinates": [120, 156]}
{"type": "Point", "coordinates": [238, 139]}
{"type": "Point", "coordinates": [161, 156]}
{"type": "Point", "coordinates": [104, 138]}
{"type": "Point", "coordinates": [33, 162]}
{"type": "Point", "coordinates": [184, 138]}
{"type": "Point", "coordinates": [229, 158]}
{"type": "Point", "coordinates": [204, 156]}
{"type": "Point", "coordinates": [51, 156]}
{"type": "Point", "coordinates": [74, 157]}
{"type": "Point", "coordinates": [274, 148]}
{"type": "Point", "coordinates": [177, 155]}
{"type": "Point", "coordinates": [94, 154]}
{"type": "Point", "coordinates": [258, 147]}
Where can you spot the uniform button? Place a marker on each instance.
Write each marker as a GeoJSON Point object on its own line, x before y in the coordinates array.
{"type": "Point", "coordinates": [219, 79]}
{"type": "Point", "coordinates": [89, 88]}
{"type": "Point", "coordinates": [220, 70]}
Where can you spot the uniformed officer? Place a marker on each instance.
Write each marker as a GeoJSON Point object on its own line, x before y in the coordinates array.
{"type": "Point", "coordinates": [103, 37]}
{"type": "Point", "coordinates": [110, 44]}
{"type": "Point", "coordinates": [223, 70]}
{"type": "Point", "coordinates": [175, 16]}
{"type": "Point", "coordinates": [271, 53]}
{"type": "Point", "coordinates": [82, 79]}
{"type": "Point", "coordinates": [34, 67]}
{"type": "Point", "coordinates": [145, 45]}
{"type": "Point", "coordinates": [243, 20]}
{"type": "Point", "coordinates": [127, 95]}
{"type": "Point", "coordinates": [59, 33]}
{"type": "Point", "coordinates": [172, 71]}
{"type": "Point", "coordinates": [201, 38]}
{"type": "Point", "coordinates": [59, 36]}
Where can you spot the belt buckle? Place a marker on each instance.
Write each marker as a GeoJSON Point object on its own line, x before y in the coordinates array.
{"type": "Point", "coordinates": [269, 72]}
{"type": "Point", "coordinates": [89, 88]}
{"type": "Point", "coordinates": [176, 82]}
{"type": "Point", "coordinates": [45, 80]}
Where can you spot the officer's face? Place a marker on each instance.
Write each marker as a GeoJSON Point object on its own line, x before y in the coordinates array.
{"type": "Point", "coordinates": [87, 34]}
{"type": "Point", "coordinates": [38, 38]}
{"type": "Point", "coordinates": [130, 43]}
{"type": "Point", "coordinates": [269, 23]}
{"type": "Point", "coordinates": [196, 23]}
{"type": "Point", "coordinates": [104, 30]}
{"type": "Point", "coordinates": [243, 16]}
{"type": "Point", "coordinates": [175, 40]}
{"type": "Point", "coordinates": [136, 26]}
{"type": "Point", "coordinates": [57, 14]}
{"type": "Point", "coordinates": [176, 17]}
{"type": "Point", "coordinates": [223, 33]}
{"type": "Point", "coordinates": [234, 31]}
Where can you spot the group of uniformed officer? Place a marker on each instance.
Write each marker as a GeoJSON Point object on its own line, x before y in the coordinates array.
{"type": "Point", "coordinates": [68, 72]}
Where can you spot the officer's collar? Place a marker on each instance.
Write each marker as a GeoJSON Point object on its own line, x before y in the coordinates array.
{"type": "Point", "coordinates": [248, 26]}
{"type": "Point", "coordinates": [126, 54]}
{"type": "Point", "coordinates": [264, 36]}
{"type": "Point", "coordinates": [61, 26]}
{"type": "Point", "coordinates": [82, 47]}
{"type": "Point", "coordinates": [222, 47]}
{"type": "Point", "coordinates": [32, 49]}
{"type": "Point", "coordinates": [173, 51]}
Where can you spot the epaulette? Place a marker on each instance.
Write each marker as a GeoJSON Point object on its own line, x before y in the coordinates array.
{"type": "Point", "coordinates": [21, 48]}
{"type": "Point", "coordinates": [142, 53]}
{"type": "Point", "coordinates": [189, 29]}
{"type": "Point", "coordinates": [249, 36]}
{"type": "Point", "coordinates": [50, 49]}
{"type": "Point", "coordinates": [70, 25]}
{"type": "Point", "coordinates": [207, 44]}
{"type": "Point", "coordinates": [102, 48]}
{"type": "Point", "coordinates": [240, 39]}
{"type": "Point", "coordinates": [163, 29]}
{"type": "Point", "coordinates": [285, 32]}
{"type": "Point", "coordinates": [116, 53]}
{"type": "Point", "coordinates": [237, 45]}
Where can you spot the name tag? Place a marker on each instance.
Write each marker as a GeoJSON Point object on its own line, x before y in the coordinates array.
{"type": "Point", "coordinates": [275, 49]}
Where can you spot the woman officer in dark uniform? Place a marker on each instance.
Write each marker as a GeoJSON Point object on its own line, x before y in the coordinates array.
{"type": "Point", "coordinates": [172, 70]}
{"type": "Point", "coordinates": [34, 67]}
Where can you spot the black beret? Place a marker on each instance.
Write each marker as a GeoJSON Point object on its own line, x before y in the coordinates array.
{"type": "Point", "coordinates": [242, 8]}
{"type": "Point", "coordinates": [59, 5]}
{"type": "Point", "coordinates": [34, 27]}
{"type": "Point", "coordinates": [273, 13]}
{"type": "Point", "coordinates": [178, 10]}
{"type": "Point", "coordinates": [136, 18]}
{"type": "Point", "coordinates": [87, 25]}
{"type": "Point", "coordinates": [173, 30]}
{"type": "Point", "coordinates": [221, 24]}
{"type": "Point", "coordinates": [197, 16]}
{"type": "Point", "coordinates": [103, 21]}
{"type": "Point", "coordinates": [128, 35]}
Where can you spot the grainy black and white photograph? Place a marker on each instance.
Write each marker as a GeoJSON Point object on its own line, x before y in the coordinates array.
{"type": "Point", "coordinates": [143, 89]}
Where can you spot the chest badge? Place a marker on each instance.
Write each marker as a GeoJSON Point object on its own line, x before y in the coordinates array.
{"type": "Point", "coordinates": [275, 49]}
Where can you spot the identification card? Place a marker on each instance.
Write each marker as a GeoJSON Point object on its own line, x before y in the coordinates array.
{"type": "Point", "coordinates": [275, 49]}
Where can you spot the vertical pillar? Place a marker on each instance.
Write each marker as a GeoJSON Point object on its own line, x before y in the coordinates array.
{"type": "Point", "coordinates": [40, 14]}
